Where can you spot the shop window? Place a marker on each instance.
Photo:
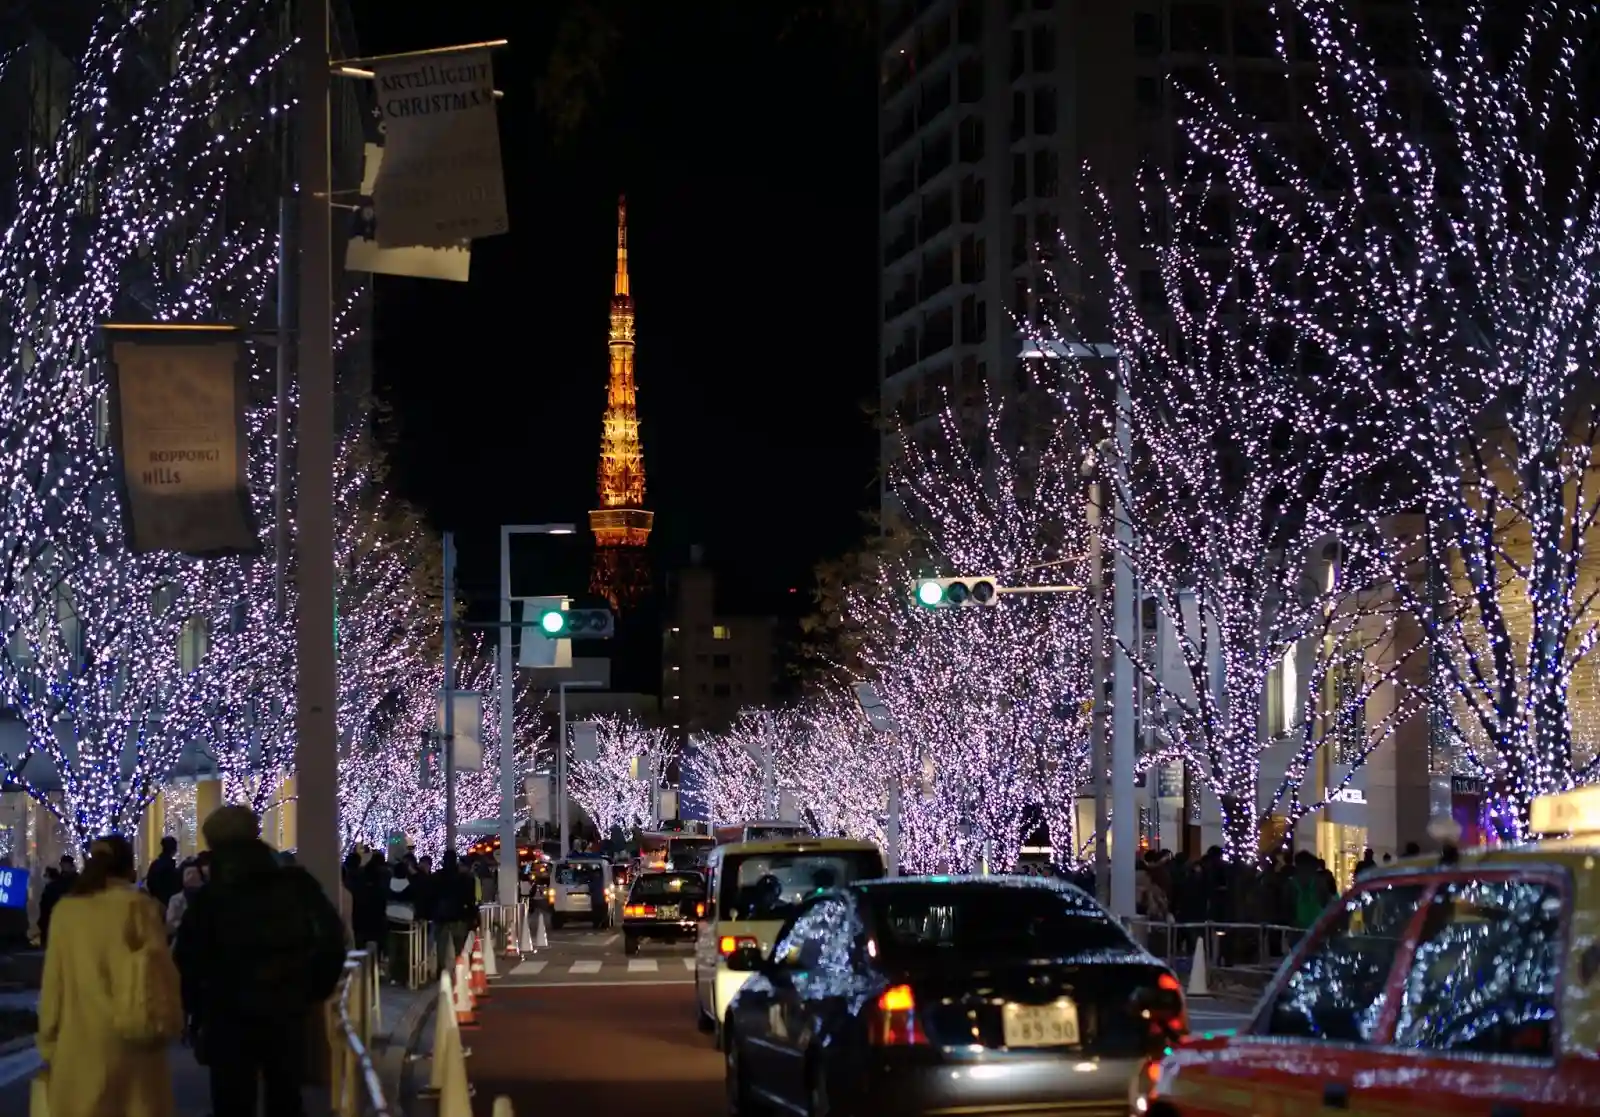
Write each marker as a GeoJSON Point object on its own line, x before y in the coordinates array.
{"type": "Point", "coordinates": [1337, 994]}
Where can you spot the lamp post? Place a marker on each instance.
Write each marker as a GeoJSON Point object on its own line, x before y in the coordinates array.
{"type": "Point", "coordinates": [508, 745]}
{"type": "Point", "coordinates": [1124, 753]}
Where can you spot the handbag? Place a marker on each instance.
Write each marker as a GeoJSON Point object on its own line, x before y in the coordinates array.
{"type": "Point", "coordinates": [39, 1095]}
{"type": "Point", "coordinates": [146, 1001]}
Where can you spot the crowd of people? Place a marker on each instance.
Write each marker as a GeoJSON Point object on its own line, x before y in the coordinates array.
{"type": "Point", "coordinates": [233, 952]}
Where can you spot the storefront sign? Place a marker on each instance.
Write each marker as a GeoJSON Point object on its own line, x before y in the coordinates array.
{"type": "Point", "coordinates": [178, 427]}
{"type": "Point", "coordinates": [441, 182]}
{"type": "Point", "coordinates": [1353, 795]}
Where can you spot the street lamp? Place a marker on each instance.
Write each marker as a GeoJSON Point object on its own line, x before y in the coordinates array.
{"type": "Point", "coordinates": [508, 745]}
{"type": "Point", "coordinates": [1124, 754]}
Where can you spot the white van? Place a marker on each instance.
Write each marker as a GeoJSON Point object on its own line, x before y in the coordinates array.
{"type": "Point", "coordinates": [752, 888]}
{"type": "Point", "coordinates": [571, 891]}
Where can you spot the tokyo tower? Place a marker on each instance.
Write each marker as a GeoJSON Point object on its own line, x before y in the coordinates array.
{"type": "Point", "coordinates": [621, 525]}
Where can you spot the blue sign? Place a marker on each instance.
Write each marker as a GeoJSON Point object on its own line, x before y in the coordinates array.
{"type": "Point", "coordinates": [13, 888]}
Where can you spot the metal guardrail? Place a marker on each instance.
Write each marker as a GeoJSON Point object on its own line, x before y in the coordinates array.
{"type": "Point", "coordinates": [353, 1081]}
{"type": "Point", "coordinates": [1229, 947]}
{"type": "Point", "coordinates": [417, 952]}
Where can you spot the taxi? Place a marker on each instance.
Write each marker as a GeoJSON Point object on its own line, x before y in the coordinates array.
{"type": "Point", "coordinates": [1460, 984]}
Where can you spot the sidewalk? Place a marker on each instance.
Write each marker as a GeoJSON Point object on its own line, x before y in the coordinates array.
{"type": "Point", "coordinates": [191, 1084]}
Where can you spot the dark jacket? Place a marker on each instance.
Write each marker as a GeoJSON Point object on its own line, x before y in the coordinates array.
{"type": "Point", "coordinates": [163, 881]}
{"type": "Point", "coordinates": [455, 897]}
{"type": "Point", "coordinates": [260, 941]}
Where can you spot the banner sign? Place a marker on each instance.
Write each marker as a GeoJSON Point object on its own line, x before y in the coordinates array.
{"type": "Point", "coordinates": [363, 251]}
{"type": "Point", "coordinates": [178, 397]}
{"type": "Point", "coordinates": [441, 181]}
{"type": "Point", "coordinates": [13, 888]}
{"type": "Point", "coordinates": [468, 730]}
{"type": "Point", "coordinates": [536, 789]}
{"type": "Point", "coordinates": [586, 742]}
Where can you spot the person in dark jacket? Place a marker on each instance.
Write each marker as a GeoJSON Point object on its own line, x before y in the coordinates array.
{"type": "Point", "coordinates": [260, 949]}
{"type": "Point", "coordinates": [455, 907]}
{"type": "Point", "coordinates": [164, 879]}
{"type": "Point", "coordinates": [369, 902]}
{"type": "Point", "coordinates": [65, 879]}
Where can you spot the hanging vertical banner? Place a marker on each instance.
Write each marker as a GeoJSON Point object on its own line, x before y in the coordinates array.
{"type": "Point", "coordinates": [364, 250]}
{"type": "Point", "coordinates": [585, 742]}
{"type": "Point", "coordinates": [441, 181]}
{"type": "Point", "coordinates": [177, 397]}
{"type": "Point", "coordinates": [468, 740]}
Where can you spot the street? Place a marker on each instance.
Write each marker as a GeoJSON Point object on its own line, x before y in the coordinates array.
{"type": "Point", "coordinates": [580, 1027]}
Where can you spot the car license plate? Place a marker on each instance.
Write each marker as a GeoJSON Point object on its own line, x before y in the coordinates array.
{"type": "Point", "coordinates": [1051, 1025]}
{"type": "Point", "coordinates": [668, 912]}
{"type": "Point", "coordinates": [579, 899]}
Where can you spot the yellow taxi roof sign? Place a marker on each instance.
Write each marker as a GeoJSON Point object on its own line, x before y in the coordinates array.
{"type": "Point", "coordinates": [1571, 812]}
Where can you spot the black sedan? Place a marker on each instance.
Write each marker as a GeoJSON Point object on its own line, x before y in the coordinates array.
{"type": "Point", "coordinates": [982, 995]}
{"type": "Point", "coordinates": [663, 907]}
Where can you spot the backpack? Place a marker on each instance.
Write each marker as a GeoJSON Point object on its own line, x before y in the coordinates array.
{"type": "Point", "coordinates": [146, 998]}
{"type": "Point", "coordinates": [1308, 902]}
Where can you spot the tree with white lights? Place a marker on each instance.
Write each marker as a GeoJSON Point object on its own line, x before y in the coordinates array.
{"type": "Point", "coordinates": [1231, 498]}
{"type": "Point", "coordinates": [106, 207]}
{"type": "Point", "coordinates": [614, 788]}
{"type": "Point", "coordinates": [1448, 285]}
{"type": "Point", "coordinates": [987, 699]}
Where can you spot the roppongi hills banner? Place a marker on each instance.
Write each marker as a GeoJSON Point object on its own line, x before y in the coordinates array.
{"type": "Point", "coordinates": [441, 182]}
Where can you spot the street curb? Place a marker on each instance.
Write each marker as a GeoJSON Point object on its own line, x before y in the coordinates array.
{"type": "Point", "coordinates": [397, 1057]}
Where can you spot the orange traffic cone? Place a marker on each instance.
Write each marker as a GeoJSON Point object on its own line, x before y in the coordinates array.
{"type": "Point", "coordinates": [480, 976]}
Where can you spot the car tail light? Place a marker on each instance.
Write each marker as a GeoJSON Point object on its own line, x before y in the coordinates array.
{"type": "Point", "coordinates": [699, 911]}
{"type": "Point", "coordinates": [727, 944]}
{"type": "Point", "coordinates": [550, 895]}
{"type": "Point", "coordinates": [893, 1021]}
{"type": "Point", "coordinates": [639, 911]}
{"type": "Point", "coordinates": [1166, 1012]}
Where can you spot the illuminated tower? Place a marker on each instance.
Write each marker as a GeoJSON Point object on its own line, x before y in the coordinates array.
{"type": "Point", "coordinates": [621, 525]}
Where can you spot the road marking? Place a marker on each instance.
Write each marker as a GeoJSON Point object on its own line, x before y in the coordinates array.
{"type": "Point", "coordinates": [585, 967]}
{"type": "Point", "coordinates": [606, 984]}
{"type": "Point", "coordinates": [688, 963]}
{"type": "Point", "coordinates": [611, 940]}
{"type": "Point", "coordinates": [530, 968]}
{"type": "Point", "coordinates": [642, 965]}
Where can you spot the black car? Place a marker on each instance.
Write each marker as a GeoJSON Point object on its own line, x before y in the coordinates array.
{"type": "Point", "coordinates": [948, 995]}
{"type": "Point", "coordinates": [663, 907]}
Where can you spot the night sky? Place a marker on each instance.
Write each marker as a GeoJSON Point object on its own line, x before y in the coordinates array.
{"type": "Point", "coordinates": [746, 145]}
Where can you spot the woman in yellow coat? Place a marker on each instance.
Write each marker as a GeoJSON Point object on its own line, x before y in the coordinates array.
{"type": "Point", "coordinates": [91, 1069]}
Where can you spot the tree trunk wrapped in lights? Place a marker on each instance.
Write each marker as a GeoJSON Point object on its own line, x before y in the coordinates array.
{"type": "Point", "coordinates": [1448, 286]}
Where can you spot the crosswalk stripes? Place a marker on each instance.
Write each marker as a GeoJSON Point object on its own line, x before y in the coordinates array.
{"type": "Point", "coordinates": [592, 967]}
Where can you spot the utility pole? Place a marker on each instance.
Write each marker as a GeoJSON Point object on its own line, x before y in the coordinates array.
{"type": "Point", "coordinates": [1124, 748]}
{"type": "Point", "coordinates": [281, 541]}
{"type": "Point", "coordinates": [449, 691]}
{"type": "Point", "coordinates": [1097, 704]}
{"type": "Point", "coordinates": [316, 759]}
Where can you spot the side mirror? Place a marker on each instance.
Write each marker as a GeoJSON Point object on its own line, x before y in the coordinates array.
{"type": "Point", "coordinates": [747, 958]}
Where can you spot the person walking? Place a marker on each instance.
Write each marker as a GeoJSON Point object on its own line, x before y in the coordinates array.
{"type": "Point", "coordinates": [55, 888]}
{"type": "Point", "coordinates": [260, 947]}
{"type": "Point", "coordinates": [455, 908]}
{"type": "Point", "coordinates": [163, 880]}
{"type": "Point", "coordinates": [110, 1003]}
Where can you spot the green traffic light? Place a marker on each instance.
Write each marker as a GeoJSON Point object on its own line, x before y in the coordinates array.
{"type": "Point", "coordinates": [553, 622]}
{"type": "Point", "coordinates": [930, 593]}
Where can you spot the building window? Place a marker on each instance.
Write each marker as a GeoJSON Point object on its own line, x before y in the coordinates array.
{"type": "Point", "coordinates": [1044, 111]}
{"type": "Point", "coordinates": [1283, 686]}
{"type": "Point", "coordinates": [1147, 93]}
{"type": "Point", "coordinates": [720, 632]}
{"type": "Point", "coordinates": [722, 662]}
{"type": "Point", "coordinates": [1199, 28]}
{"type": "Point", "coordinates": [1019, 239]}
{"type": "Point", "coordinates": [1019, 178]}
{"type": "Point", "coordinates": [1019, 54]}
{"type": "Point", "coordinates": [193, 641]}
{"type": "Point", "coordinates": [722, 691]}
{"type": "Point", "coordinates": [1044, 174]}
{"type": "Point", "coordinates": [1044, 48]}
{"type": "Point", "coordinates": [1146, 34]}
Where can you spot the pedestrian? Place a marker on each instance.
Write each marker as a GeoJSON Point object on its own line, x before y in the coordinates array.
{"type": "Point", "coordinates": [261, 948]}
{"type": "Point", "coordinates": [163, 880]}
{"type": "Point", "coordinates": [193, 878]}
{"type": "Point", "coordinates": [65, 879]}
{"type": "Point", "coordinates": [455, 908]}
{"type": "Point", "coordinates": [110, 1003]}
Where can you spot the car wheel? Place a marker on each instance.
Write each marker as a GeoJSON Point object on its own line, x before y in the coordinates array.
{"type": "Point", "coordinates": [739, 1100]}
{"type": "Point", "coordinates": [630, 944]}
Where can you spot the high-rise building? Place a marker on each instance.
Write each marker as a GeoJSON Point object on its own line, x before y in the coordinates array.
{"type": "Point", "coordinates": [621, 525]}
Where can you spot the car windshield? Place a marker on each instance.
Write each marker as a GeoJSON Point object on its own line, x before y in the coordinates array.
{"type": "Point", "coordinates": [578, 875]}
{"type": "Point", "coordinates": [771, 886]}
{"type": "Point", "coordinates": [916, 922]}
{"type": "Point", "coordinates": [670, 886]}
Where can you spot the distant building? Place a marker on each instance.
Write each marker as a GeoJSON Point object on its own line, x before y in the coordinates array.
{"type": "Point", "coordinates": [713, 663]}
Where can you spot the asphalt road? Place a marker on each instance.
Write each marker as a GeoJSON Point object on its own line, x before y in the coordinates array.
{"type": "Point", "coordinates": [580, 1027]}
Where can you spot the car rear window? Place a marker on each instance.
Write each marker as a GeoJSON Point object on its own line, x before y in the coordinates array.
{"type": "Point", "coordinates": [653, 886]}
{"type": "Point", "coordinates": [577, 874]}
{"type": "Point", "coordinates": [772, 886]}
{"type": "Point", "coordinates": [915, 922]}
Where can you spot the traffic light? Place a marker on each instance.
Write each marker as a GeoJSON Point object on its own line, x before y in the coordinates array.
{"type": "Point", "coordinates": [577, 624]}
{"type": "Point", "coordinates": [937, 593]}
